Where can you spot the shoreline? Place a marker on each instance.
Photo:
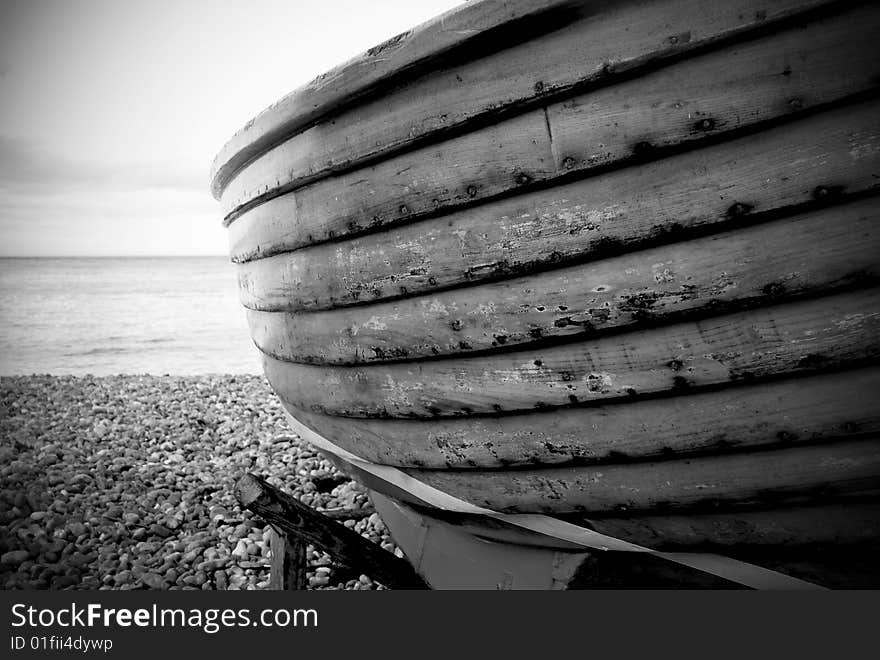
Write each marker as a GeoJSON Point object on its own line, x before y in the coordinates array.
{"type": "Point", "coordinates": [125, 482]}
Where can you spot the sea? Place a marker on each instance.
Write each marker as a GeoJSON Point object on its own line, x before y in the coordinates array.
{"type": "Point", "coordinates": [122, 315]}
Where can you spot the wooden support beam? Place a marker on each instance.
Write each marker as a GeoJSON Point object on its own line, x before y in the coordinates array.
{"type": "Point", "coordinates": [288, 568]}
{"type": "Point", "coordinates": [303, 524]}
{"type": "Point", "coordinates": [343, 514]}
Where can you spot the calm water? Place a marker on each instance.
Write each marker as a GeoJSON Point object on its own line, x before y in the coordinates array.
{"type": "Point", "coordinates": [122, 315]}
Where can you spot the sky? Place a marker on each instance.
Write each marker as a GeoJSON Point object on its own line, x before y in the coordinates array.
{"type": "Point", "coordinates": [111, 111]}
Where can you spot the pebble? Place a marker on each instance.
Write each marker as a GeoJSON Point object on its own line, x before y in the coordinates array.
{"type": "Point", "coordinates": [241, 549]}
{"type": "Point", "coordinates": [14, 557]}
{"type": "Point", "coordinates": [153, 581]}
{"type": "Point", "coordinates": [76, 529]}
{"type": "Point", "coordinates": [125, 482]}
{"type": "Point", "coordinates": [64, 581]}
{"type": "Point", "coordinates": [319, 581]}
{"type": "Point", "coordinates": [220, 580]}
{"type": "Point", "coordinates": [190, 556]}
{"type": "Point", "coordinates": [160, 530]}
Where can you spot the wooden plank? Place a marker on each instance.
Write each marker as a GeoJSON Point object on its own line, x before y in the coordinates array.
{"type": "Point", "coordinates": [821, 407]}
{"type": "Point", "coordinates": [779, 477]}
{"type": "Point", "coordinates": [708, 190]}
{"type": "Point", "coordinates": [498, 157]}
{"type": "Point", "coordinates": [288, 569]}
{"type": "Point", "coordinates": [603, 43]}
{"type": "Point", "coordinates": [800, 337]}
{"type": "Point", "coordinates": [395, 60]}
{"type": "Point", "coordinates": [803, 67]}
{"type": "Point", "coordinates": [749, 267]}
{"type": "Point", "coordinates": [839, 524]}
{"type": "Point", "coordinates": [728, 89]}
{"type": "Point", "coordinates": [444, 176]}
{"type": "Point", "coordinates": [842, 524]}
{"type": "Point", "coordinates": [291, 517]}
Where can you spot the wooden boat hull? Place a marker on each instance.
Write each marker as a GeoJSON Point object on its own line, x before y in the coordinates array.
{"type": "Point", "coordinates": [613, 264]}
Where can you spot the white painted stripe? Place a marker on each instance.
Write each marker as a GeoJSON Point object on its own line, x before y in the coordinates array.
{"type": "Point", "coordinates": [743, 573]}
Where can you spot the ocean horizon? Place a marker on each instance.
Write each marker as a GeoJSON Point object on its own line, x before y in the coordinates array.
{"type": "Point", "coordinates": [108, 315]}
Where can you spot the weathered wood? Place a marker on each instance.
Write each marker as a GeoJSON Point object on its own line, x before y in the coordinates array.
{"type": "Point", "coordinates": [840, 524]}
{"type": "Point", "coordinates": [288, 569]}
{"type": "Point", "coordinates": [781, 477]}
{"type": "Point", "coordinates": [292, 517]}
{"type": "Point", "coordinates": [748, 267]}
{"type": "Point", "coordinates": [842, 560]}
{"type": "Point", "coordinates": [693, 356]}
{"type": "Point", "coordinates": [599, 46]}
{"type": "Point", "coordinates": [800, 337]}
{"type": "Point", "coordinates": [772, 77]}
{"type": "Point", "coordinates": [845, 523]}
{"type": "Point", "coordinates": [777, 76]}
{"type": "Point", "coordinates": [399, 58]}
{"type": "Point", "coordinates": [819, 408]}
{"type": "Point", "coordinates": [501, 156]}
{"type": "Point", "coordinates": [622, 211]}
{"type": "Point", "coordinates": [348, 514]}
{"type": "Point", "coordinates": [710, 190]}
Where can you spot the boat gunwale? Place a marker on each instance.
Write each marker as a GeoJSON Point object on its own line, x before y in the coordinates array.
{"type": "Point", "coordinates": [403, 56]}
{"type": "Point", "coordinates": [223, 174]}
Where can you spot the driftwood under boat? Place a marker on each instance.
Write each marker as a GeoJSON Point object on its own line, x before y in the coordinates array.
{"type": "Point", "coordinates": [612, 263]}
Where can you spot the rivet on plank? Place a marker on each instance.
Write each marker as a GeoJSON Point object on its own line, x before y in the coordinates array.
{"type": "Point", "coordinates": [738, 209]}
{"type": "Point", "coordinates": [642, 148]}
{"type": "Point", "coordinates": [785, 436]}
{"type": "Point", "coordinates": [822, 193]}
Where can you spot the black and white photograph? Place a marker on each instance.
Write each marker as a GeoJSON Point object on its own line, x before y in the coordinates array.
{"type": "Point", "coordinates": [439, 295]}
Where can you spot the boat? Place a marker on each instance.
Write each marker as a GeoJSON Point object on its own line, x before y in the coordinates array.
{"type": "Point", "coordinates": [585, 293]}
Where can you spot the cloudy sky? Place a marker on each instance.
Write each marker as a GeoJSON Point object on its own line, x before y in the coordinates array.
{"type": "Point", "coordinates": [111, 111]}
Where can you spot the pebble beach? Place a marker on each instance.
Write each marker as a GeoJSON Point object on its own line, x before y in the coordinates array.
{"type": "Point", "coordinates": [126, 482]}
